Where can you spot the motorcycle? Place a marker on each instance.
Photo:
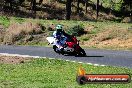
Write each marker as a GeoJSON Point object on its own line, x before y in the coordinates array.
{"type": "Point", "coordinates": [71, 47]}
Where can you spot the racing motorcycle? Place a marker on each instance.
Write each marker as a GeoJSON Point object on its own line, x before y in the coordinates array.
{"type": "Point", "coordinates": [71, 47]}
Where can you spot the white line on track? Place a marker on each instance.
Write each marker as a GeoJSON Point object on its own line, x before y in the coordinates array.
{"type": "Point", "coordinates": [67, 60]}
{"type": "Point", "coordinates": [73, 61]}
{"type": "Point", "coordinates": [7, 54]}
{"type": "Point", "coordinates": [102, 65]}
{"type": "Point", "coordinates": [80, 62]}
{"type": "Point", "coordinates": [96, 64]}
{"type": "Point", "coordinates": [89, 63]}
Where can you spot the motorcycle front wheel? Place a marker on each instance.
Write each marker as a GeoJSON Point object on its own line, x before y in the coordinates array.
{"type": "Point", "coordinates": [55, 48]}
{"type": "Point", "coordinates": [81, 52]}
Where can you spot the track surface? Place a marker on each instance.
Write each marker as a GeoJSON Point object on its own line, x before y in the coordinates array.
{"type": "Point", "coordinates": [102, 57]}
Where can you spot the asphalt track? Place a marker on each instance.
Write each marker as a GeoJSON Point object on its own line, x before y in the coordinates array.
{"type": "Point", "coordinates": [101, 57]}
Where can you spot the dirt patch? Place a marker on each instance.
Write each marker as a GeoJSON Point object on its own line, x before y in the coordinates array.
{"type": "Point", "coordinates": [113, 37]}
{"type": "Point", "coordinates": [13, 59]}
{"type": "Point", "coordinates": [117, 43]}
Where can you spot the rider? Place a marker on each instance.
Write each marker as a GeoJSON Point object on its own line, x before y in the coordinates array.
{"type": "Point", "coordinates": [60, 36]}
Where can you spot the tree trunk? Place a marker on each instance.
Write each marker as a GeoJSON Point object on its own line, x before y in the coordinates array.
{"type": "Point", "coordinates": [86, 5]}
{"type": "Point", "coordinates": [68, 9]}
{"type": "Point", "coordinates": [111, 7]}
{"type": "Point", "coordinates": [33, 7]}
{"type": "Point", "coordinates": [130, 8]}
{"type": "Point", "coordinates": [97, 9]}
{"type": "Point", "coordinates": [131, 11]}
{"type": "Point", "coordinates": [2, 5]}
{"type": "Point", "coordinates": [78, 2]}
{"type": "Point", "coordinates": [11, 6]}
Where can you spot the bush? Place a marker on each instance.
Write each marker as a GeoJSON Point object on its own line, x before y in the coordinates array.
{"type": "Point", "coordinates": [85, 37]}
{"type": "Point", "coordinates": [18, 31]}
{"type": "Point", "coordinates": [76, 30]}
{"type": "Point", "coordinates": [51, 27]}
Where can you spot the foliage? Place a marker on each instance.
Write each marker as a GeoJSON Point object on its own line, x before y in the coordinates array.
{"type": "Point", "coordinates": [76, 30]}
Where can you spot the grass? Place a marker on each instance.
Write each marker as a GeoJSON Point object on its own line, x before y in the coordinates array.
{"type": "Point", "coordinates": [35, 44]}
{"type": "Point", "coordinates": [46, 73]}
{"type": "Point", "coordinates": [4, 21]}
{"type": "Point", "coordinates": [96, 29]}
{"type": "Point", "coordinates": [97, 25]}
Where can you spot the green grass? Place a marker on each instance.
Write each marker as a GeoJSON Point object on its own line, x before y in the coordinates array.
{"type": "Point", "coordinates": [4, 21]}
{"type": "Point", "coordinates": [98, 27]}
{"type": "Point", "coordinates": [34, 44]}
{"type": "Point", "coordinates": [45, 73]}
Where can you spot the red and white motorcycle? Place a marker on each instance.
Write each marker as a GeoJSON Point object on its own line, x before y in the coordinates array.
{"type": "Point", "coordinates": [71, 47]}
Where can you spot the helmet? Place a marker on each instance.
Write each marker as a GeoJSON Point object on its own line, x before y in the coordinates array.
{"type": "Point", "coordinates": [59, 27]}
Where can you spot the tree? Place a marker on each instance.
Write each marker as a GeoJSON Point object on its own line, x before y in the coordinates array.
{"type": "Point", "coordinates": [33, 5]}
{"type": "Point", "coordinates": [78, 2]}
{"type": "Point", "coordinates": [68, 9]}
{"type": "Point", "coordinates": [86, 5]}
{"type": "Point", "coordinates": [126, 7]}
{"type": "Point", "coordinates": [12, 5]}
{"type": "Point", "coordinates": [97, 9]}
{"type": "Point", "coordinates": [9, 3]}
